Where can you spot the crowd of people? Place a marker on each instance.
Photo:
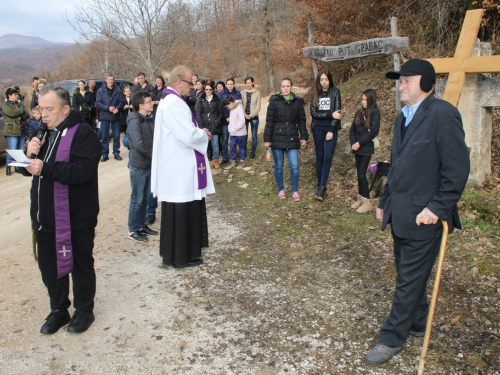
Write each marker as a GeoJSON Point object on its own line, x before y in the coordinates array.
{"type": "Point", "coordinates": [176, 129]}
{"type": "Point", "coordinates": [108, 108]}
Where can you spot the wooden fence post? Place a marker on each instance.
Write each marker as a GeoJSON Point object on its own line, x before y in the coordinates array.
{"type": "Point", "coordinates": [310, 41]}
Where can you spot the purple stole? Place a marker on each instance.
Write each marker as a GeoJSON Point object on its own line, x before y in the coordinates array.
{"type": "Point", "coordinates": [200, 158]}
{"type": "Point", "coordinates": [64, 251]}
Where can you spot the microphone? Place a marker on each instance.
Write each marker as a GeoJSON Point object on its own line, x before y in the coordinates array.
{"type": "Point", "coordinates": [40, 134]}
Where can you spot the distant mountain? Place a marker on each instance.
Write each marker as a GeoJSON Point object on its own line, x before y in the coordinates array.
{"type": "Point", "coordinates": [27, 42]}
{"type": "Point", "coordinates": [19, 65]}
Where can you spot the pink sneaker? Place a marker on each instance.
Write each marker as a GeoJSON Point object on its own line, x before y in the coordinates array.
{"type": "Point", "coordinates": [281, 194]}
{"type": "Point", "coordinates": [296, 196]}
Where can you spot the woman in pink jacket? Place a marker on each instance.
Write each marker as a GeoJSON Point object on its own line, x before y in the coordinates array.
{"type": "Point", "coordinates": [237, 129]}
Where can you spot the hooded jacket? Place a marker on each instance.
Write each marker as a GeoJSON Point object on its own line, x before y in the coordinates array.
{"type": "Point", "coordinates": [285, 122]}
{"type": "Point", "coordinates": [80, 174]}
{"type": "Point", "coordinates": [237, 121]}
{"type": "Point", "coordinates": [33, 127]}
{"type": "Point", "coordinates": [140, 131]}
{"type": "Point", "coordinates": [209, 114]}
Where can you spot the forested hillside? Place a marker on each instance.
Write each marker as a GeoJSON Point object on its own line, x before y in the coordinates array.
{"type": "Point", "coordinates": [262, 38]}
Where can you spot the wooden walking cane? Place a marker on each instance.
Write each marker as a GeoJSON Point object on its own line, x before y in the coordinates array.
{"type": "Point", "coordinates": [435, 290]}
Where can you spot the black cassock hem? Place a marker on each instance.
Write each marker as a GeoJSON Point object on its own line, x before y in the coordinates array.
{"type": "Point", "coordinates": [184, 231]}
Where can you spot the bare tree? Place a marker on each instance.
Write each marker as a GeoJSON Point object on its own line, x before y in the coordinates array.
{"type": "Point", "coordinates": [147, 31]}
{"type": "Point", "coordinates": [267, 21]}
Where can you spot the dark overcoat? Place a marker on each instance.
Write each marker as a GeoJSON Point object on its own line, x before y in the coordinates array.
{"type": "Point", "coordinates": [429, 168]}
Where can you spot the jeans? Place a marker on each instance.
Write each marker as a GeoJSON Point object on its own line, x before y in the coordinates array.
{"type": "Point", "coordinates": [225, 138]}
{"type": "Point", "coordinates": [362, 162]}
{"type": "Point", "coordinates": [215, 146]}
{"type": "Point", "coordinates": [240, 142]}
{"type": "Point", "coordinates": [14, 142]}
{"type": "Point", "coordinates": [152, 205]}
{"type": "Point", "coordinates": [293, 161]}
{"type": "Point", "coordinates": [324, 153]}
{"type": "Point", "coordinates": [115, 127]}
{"type": "Point", "coordinates": [254, 122]}
{"type": "Point", "coordinates": [140, 181]}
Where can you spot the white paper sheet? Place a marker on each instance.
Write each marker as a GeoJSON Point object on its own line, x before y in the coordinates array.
{"type": "Point", "coordinates": [18, 155]}
{"type": "Point", "coordinates": [19, 164]}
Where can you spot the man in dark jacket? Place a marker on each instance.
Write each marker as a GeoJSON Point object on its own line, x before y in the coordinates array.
{"type": "Point", "coordinates": [140, 130]}
{"type": "Point", "coordinates": [429, 169]}
{"type": "Point", "coordinates": [64, 209]}
{"type": "Point", "coordinates": [142, 85]}
{"type": "Point", "coordinates": [109, 101]}
{"type": "Point", "coordinates": [230, 90]}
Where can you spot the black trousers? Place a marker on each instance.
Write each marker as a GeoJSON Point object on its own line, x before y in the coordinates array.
{"type": "Point", "coordinates": [362, 162]}
{"type": "Point", "coordinates": [414, 261]}
{"type": "Point", "coordinates": [83, 275]}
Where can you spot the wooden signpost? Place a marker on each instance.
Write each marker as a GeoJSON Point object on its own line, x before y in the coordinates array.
{"type": "Point", "coordinates": [370, 47]}
{"type": "Point", "coordinates": [377, 46]}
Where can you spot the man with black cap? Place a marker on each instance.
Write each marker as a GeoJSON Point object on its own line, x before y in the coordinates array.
{"type": "Point", "coordinates": [429, 169]}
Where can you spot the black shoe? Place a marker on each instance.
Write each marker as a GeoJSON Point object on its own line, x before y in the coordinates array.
{"type": "Point", "coordinates": [224, 162]}
{"type": "Point", "coordinates": [193, 263]}
{"type": "Point", "coordinates": [81, 321]}
{"type": "Point", "coordinates": [137, 236]}
{"type": "Point", "coordinates": [150, 219]}
{"type": "Point", "coordinates": [118, 157]}
{"type": "Point", "coordinates": [104, 158]}
{"type": "Point", "coordinates": [320, 195]}
{"type": "Point", "coordinates": [16, 169]}
{"type": "Point", "coordinates": [8, 172]}
{"type": "Point", "coordinates": [417, 333]}
{"type": "Point", "coordinates": [148, 231]}
{"type": "Point", "coordinates": [56, 319]}
{"type": "Point", "coordinates": [381, 354]}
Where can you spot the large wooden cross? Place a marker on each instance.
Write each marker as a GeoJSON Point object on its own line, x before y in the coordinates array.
{"type": "Point", "coordinates": [463, 63]}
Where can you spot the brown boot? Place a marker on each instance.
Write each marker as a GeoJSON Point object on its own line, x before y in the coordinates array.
{"type": "Point", "coordinates": [357, 203]}
{"type": "Point", "coordinates": [216, 164]}
{"type": "Point", "coordinates": [365, 206]}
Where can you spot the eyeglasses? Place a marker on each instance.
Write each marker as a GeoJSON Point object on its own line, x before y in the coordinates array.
{"type": "Point", "coordinates": [188, 82]}
{"type": "Point", "coordinates": [208, 90]}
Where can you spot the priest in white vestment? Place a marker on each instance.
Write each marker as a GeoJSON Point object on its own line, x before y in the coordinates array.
{"type": "Point", "coordinates": [180, 174]}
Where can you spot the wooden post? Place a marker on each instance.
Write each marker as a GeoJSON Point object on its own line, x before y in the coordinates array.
{"type": "Point", "coordinates": [397, 63]}
{"type": "Point", "coordinates": [310, 41]}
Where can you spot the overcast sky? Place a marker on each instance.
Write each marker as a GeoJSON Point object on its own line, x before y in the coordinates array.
{"type": "Point", "coordinates": [41, 18]}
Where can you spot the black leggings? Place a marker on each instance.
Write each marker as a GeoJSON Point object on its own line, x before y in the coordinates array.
{"type": "Point", "coordinates": [362, 162]}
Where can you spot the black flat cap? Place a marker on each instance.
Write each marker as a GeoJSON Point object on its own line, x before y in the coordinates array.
{"type": "Point", "coordinates": [415, 67]}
